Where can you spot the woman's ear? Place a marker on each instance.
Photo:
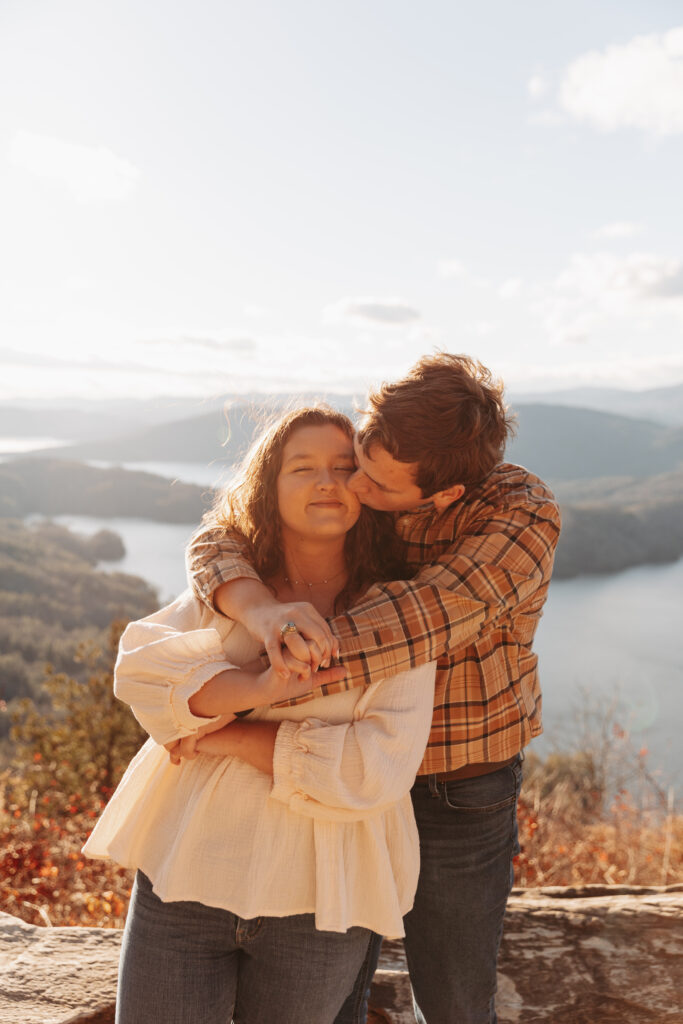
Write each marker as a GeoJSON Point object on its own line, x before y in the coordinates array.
{"type": "Point", "coordinates": [442, 499]}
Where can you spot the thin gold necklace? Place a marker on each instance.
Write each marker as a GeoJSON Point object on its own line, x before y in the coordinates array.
{"type": "Point", "coordinates": [317, 583]}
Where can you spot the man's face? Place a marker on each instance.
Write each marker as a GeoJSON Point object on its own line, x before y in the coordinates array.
{"type": "Point", "coordinates": [384, 483]}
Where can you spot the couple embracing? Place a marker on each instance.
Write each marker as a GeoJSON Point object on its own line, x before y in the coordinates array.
{"type": "Point", "coordinates": [337, 712]}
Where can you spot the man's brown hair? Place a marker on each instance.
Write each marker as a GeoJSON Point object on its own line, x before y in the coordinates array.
{"type": "Point", "coordinates": [447, 415]}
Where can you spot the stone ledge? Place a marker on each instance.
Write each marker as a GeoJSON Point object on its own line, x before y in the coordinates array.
{"type": "Point", "coordinates": [579, 955]}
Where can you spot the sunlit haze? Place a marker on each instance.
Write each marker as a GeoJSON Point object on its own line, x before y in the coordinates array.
{"type": "Point", "coordinates": [209, 197]}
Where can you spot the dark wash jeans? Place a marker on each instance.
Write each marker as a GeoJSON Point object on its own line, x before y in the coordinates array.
{"type": "Point", "coordinates": [468, 837]}
{"type": "Point", "coordinates": [186, 963]}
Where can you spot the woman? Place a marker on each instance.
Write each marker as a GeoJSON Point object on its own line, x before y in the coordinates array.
{"type": "Point", "coordinates": [266, 861]}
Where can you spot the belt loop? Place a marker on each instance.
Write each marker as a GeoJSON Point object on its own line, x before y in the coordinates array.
{"type": "Point", "coordinates": [433, 785]}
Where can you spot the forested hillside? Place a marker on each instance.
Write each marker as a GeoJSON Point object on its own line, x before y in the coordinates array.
{"type": "Point", "coordinates": [55, 487]}
{"type": "Point", "coordinates": [52, 599]}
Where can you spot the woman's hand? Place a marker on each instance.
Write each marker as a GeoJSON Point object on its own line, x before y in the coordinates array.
{"type": "Point", "coordinates": [185, 749]}
{"type": "Point", "coordinates": [300, 679]}
{"type": "Point", "coordinates": [253, 742]}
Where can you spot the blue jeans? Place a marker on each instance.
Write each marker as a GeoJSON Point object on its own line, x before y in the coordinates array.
{"type": "Point", "coordinates": [186, 963]}
{"type": "Point", "coordinates": [468, 837]}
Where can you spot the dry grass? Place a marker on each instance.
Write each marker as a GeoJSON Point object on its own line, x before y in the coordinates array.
{"type": "Point", "coordinates": [597, 813]}
{"type": "Point", "coordinates": [44, 878]}
{"type": "Point", "coordinates": [594, 815]}
{"type": "Point", "coordinates": [563, 843]}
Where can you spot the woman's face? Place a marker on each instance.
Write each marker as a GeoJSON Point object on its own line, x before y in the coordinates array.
{"type": "Point", "coordinates": [313, 499]}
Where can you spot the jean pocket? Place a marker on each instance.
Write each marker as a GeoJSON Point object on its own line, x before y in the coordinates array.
{"type": "Point", "coordinates": [484, 794]}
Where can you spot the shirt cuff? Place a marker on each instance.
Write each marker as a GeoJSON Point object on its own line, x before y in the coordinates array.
{"type": "Point", "coordinates": [182, 692]}
{"type": "Point", "coordinates": [285, 772]}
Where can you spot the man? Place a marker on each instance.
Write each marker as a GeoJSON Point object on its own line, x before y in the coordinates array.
{"type": "Point", "coordinates": [481, 536]}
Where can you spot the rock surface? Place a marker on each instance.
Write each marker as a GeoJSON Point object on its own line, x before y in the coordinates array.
{"type": "Point", "coordinates": [592, 954]}
{"type": "Point", "coordinates": [57, 975]}
{"type": "Point", "coordinates": [589, 955]}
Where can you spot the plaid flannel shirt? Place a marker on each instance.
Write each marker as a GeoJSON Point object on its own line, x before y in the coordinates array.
{"type": "Point", "coordinates": [483, 567]}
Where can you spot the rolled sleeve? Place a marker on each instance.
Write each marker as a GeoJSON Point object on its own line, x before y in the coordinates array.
{"type": "Point", "coordinates": [213, 558]}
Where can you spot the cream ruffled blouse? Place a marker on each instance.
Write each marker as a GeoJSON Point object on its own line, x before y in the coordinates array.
{"type": "Point", "coordinates": [332, 833]}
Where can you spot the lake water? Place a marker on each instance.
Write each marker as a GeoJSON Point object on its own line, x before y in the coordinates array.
{"type": "Point", "coordinates": [613, 636]}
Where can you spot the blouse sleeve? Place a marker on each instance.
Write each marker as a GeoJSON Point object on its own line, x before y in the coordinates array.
{"type": "Point", "coordinates": [355, 770]}
{"type": "Point", "coordinates": [161, 663]}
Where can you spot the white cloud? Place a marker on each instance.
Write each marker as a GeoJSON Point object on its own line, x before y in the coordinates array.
{"type": "Point", "coordinates": [371, 312]}
{"type": "Point", "coordinates": [537, 87]}
{"type": "Point", "coordinates": [511, 288]}
{"type": "Point", "coordinates": [482, 328]}
{"type": "Point", "coordinates": [546, 118]}
{"type": "Point", "coordinates": [635, 85]}
{"type": "Point", "coordinates": [91, 174]}
{"type": "Point", "coordinates": [450, 269]}
{"type": "Point", "coordinates": [597, 288]}
{"type": "Point", "coordinates": [254, 312]}
{"type": "Point", "coordinates": [618, 229]}
{"type": "Point", "coordinates": [455, 270]}
{"type": "Point", "coordinates": [213, 342]}
{"type": "Point", "coordinates": [613, 369]}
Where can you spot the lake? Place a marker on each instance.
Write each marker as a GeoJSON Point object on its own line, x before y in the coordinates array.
{"type": "Point", "coordinates": [613, 636]}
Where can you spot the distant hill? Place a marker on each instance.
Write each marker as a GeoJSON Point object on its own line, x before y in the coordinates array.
{"type": "Point", "coordinates": [56, 487]}
{"type": "Point", "coordinates": [69, 424]}
{"type": "Point", "coordinates": [557, 442]}
{"type": "Point", "coordinates": [608, 523]}
{"type": "Point", "coordinates": [562, 443]}
{"type": "Point", "coordinates": [87, 420]}
{"type": "Point", "coordinates": [660, 405]}
{"type": "Point", "coordinates": [212, 437]}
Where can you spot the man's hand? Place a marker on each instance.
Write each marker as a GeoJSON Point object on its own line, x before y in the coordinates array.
{"type": "Point", "coordinates": [253, 604]}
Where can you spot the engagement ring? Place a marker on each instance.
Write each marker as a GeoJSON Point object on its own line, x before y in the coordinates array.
{"type": "Point", "coordinates": [289, 627]}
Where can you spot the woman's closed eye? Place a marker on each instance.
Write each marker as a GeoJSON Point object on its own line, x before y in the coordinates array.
{"type": "Point", "coordinates": [337, 469]}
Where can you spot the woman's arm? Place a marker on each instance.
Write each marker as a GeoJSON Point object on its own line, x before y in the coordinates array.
{"type": "Point", "coordinates": [177, 679]}
{"type": "Point", "coordinates": [253, 742]}
{"type": "Point", "coordinates": [341, 772]}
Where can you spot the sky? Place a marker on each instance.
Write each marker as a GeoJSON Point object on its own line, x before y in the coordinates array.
{"type": "Point", "coordinates": [279, 194]}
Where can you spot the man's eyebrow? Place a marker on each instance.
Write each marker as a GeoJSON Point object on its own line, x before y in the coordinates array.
{"type": "Point", "coordinates": [382, 487]}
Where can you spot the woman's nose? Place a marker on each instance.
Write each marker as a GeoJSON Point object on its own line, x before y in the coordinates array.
{"type": "Point", "coordinates": [326, 478]}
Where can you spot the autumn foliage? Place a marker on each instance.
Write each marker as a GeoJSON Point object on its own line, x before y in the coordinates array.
{"type": "Point", "coordinates": [596, 813]}
{"type": "Point", "coordinates": [593, 813]}
{"type": "Point", "coordinates": [66, 765]}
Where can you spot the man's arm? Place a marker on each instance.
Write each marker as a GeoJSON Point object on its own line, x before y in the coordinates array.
{"type": "Point", "coordinates": [502, 559]}
{"type": "Point", "coordinates": [224, 579]}
{"type": "Point", "coordinates": [503, 556]}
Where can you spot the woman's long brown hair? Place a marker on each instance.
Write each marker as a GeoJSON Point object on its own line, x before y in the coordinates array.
{"type": "Point", "coordinates": [248, 507]}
